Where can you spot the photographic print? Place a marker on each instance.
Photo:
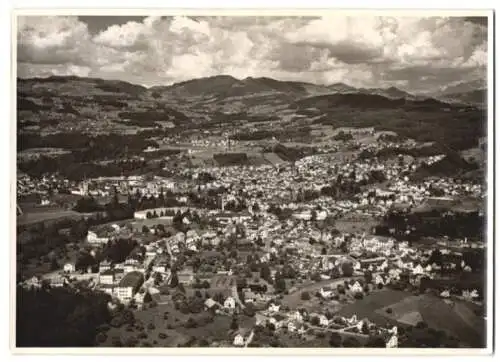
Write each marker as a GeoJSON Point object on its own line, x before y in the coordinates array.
{"type": "Point", "coordinates": [251, 181]}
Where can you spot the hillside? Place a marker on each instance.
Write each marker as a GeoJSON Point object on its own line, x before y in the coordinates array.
{"type": "Point", "coordinates": [73, 86]}
{"type": "Point", "coordinates": [430, 120]}
{"type": "Point", "coordinates": [463, 87]}
{"type": "Point", "coordinates": [94, 106]}
{"type": "Point", "coordinates": [365, 101]}
{"type": "Point", "coordinates": [477, 97]}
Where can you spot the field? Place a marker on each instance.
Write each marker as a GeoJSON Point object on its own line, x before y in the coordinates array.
{"type": "Point", "coordinates": [164, 326]}
{"type": "Point", "coordinates": [49, 215]}
{"type": "Point", "coordinates": [363, 224]}
{"type": "Point", "coordinates": [222, 281]}
{"type": "Point", "coordinates": [367, 307]}
{"type": "Point", "coordinates": [273, 158]}
{"type": "Point", "coordinates": [454, 317]}
{"type": "Point", "coordinates": [293, 300]}
{"type": "Point", "coordinates": [473, 154]}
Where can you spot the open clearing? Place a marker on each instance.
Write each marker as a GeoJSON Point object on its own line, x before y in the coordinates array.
{"type": "Point", "coordinates": [35, 217]}
{"type": "Point", "coordinates": [408, 309]}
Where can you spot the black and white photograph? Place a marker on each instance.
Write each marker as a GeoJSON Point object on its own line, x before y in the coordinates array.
{"type": "Point", "coordinates": [252, 181]}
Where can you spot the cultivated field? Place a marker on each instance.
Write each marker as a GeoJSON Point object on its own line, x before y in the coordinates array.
{"type": "Point", "coordinates": [49, 215]}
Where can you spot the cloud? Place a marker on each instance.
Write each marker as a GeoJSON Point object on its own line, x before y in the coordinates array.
{"type": "Point", "coordinates": [420, 54]}
{"type": "Point", "coordinates": [53, 40]}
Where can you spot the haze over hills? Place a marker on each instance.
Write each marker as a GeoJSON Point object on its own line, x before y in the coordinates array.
{"type": "Point", "coordinates": [464, 87]}
{"type": "Point", "coordinates": [471, 93]}
{"type": "Point", "coordinates": [477, 97]}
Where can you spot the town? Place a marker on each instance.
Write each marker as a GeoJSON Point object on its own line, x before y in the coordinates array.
{"type": "Point", "coordinates": [343, 247]}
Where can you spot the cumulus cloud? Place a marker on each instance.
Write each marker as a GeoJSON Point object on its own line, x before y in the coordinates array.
{"type": "Point", "coordinates": [417, 54]}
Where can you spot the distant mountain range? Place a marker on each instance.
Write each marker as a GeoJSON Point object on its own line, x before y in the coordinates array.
{"type": "Point", "coordinates": [471, 93]}
{"type": "Point", "coordinates": [91, 105]}
{"type": "Point", "coordinates": [198, 100]}
{"type": "Point", "coordinates": [224, 85]}
{"type": "Point", "coordinates": [221, 87]}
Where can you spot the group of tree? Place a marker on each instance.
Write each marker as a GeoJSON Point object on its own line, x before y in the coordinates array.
{"type": "Point", "coordinates": [59, 317]}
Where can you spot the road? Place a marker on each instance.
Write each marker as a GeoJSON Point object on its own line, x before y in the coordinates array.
{"type": "Point", "coordinates": [249, 339]}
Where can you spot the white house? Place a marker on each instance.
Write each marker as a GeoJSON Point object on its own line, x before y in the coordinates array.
{"type": "Point", "coordinates": [352, 320]}
{"type": "Point", "coordinates": [468, 295]}
{"type": "Point", "coordinates": [107, 277]}
{"type": "Point", "coordinates": [104, 265]}
{"type": "Point", "coordinates": [359, 326]}
{"type": "Point", "coordinates": [239, 340]}
{"type": "Point", "coordinates": [445, 294]}
{"type": "Point", "coordinates": [323, 321]}
{"type": "Point", "coordinates": [124, 294]}
{"type": "Point", "coordinates": [210, 303]}
{"type": "Point", "coordinates": [296, 316]}
{"type": "Point", "coordinates": [92, 238]}
{"type": "Point", "coordinates": [273, 308]}
{"type": "Point", "coordinates": [379, 280]}
{"type": "Point", "coordinates": [356, 288]}
{"type": "Point", "coordinates": [325, 293]}
{"type": "Point", "coordinates": [160, 268]}
{"type": "Point", "coordinates": [69, 268]}
{"type": "Point", "coordinates": [383, 266]}
{"type": "Point", "coordinates": [394, 273]}
{"type": "Point", "coordinates": [418, 270]}
{"type": "Point", "coordinates": [277, 323]}
{"type": "Point", "coordinates": [260, 319]}
{"type": "Point", "coordinates": [393, 342]}
{"type": "Point", "coordinates": [230, 303]}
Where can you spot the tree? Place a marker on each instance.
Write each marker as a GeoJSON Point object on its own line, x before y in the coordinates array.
{"type": "Point", "coordinates": [314, 215]}
{"type": "Point", "coordinates": [280, 284]}
{"type": "Point", "coordinates": [305, 296]}
{"type": "Point", "coordinates": [364, 328]}
{"type": "Point", "coordinates": [234, 324]}
{"type": "Point", "coordinates": [255, 207]}
{"type": "Point", "coordinates": [316, 277]}
{"type": "Point", "coordinates": [54, 265]}
{"type": "Point", "coordinates": [191, 323]}
{"type": "Point", "coordinates": [101, 338]}
{"type": "Point", "coordinates": [351, 342]}
{"type": "Point", "coordinates": [145, 229]}
{"type": "Point", "coordinates": [375, 342]}
{"type": "Point", "coordinates": [265, 272]}
{"type": "Point", "coordinates": [79, 230]}
{"type": "Point", "coordinates": [368, 276]}
{"type": "Point", "coordinates": [347, 269]}
{"type": "Point", "coordinates": [315, 321]}
{"type": "Point", "coordinates": [436, 257]}
{"type": "Point", "coordinates": [358, 295]}
{"type": "Point", "coordinates": [174, 282]}
{"type": "Point", "coordinates": [335, 340]}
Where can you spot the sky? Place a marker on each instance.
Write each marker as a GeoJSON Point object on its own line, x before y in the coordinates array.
{"type": "Point", "coordinates": [415, 54]}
